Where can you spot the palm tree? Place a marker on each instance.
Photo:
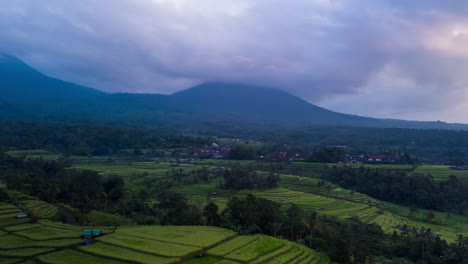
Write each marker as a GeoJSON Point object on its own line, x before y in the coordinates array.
{"type": "Point", "coordinates": [311, 222]}
{"type": "Point", "coordinates": [460, 240]}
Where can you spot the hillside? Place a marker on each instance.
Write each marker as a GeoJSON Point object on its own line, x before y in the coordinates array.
{"type": "Point", "coordinates": [255, 104]}
{"type": "Point", "coordinates": [46, 241]}
{"type": "Point", "coordinates": [8, 112]}
{"type": "Point", "coordinates": [27, 94]}
{"type": "Point", "coordinates": [267, 106]}
{"type": "Point", "coordinates": [26, 88]}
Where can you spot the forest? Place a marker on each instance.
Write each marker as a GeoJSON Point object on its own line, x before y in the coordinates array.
{"type": "Point", "coordinates": [417, 190]}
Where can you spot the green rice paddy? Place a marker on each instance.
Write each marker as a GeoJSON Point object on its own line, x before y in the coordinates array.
{"type": "Point", "coordinates": [441, 172]}
{"type": "Point", "coordinates": [55, 243]}
{"type": "Point", "coordinates": [155, 244]}
{"type": "Point", "coordinates": [306, 193]}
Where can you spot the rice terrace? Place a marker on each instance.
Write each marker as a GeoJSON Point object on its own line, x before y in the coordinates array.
{"type": "Point", "coordinates": [41, 238]}
{"type": "Point", "coordinates": [233, 132]}
{"type": "Point", "coordinates": [46, 241]}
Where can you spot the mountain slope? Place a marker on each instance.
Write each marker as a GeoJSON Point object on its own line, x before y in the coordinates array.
{"type": "Point", "coordinates": [8, 112]}
{"type": "Point", "coordinates": [261, 105]}
{"type": "Point", "coordinates": [254, 103]}
{"type": "Point", "coordinates": [24, 87]}
{"type": "Point", "coordinates": [26, 94]}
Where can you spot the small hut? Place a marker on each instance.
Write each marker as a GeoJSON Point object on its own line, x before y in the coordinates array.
{"type": "Point", "coordinates": [22, 216]}
{"type": "Point", "coordinates": [90, 234]}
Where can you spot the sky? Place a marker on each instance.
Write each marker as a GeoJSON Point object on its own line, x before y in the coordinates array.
{"type": "Point", "coordinates": [388, 58]}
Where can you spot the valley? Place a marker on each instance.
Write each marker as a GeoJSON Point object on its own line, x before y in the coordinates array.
{"type": "Point", "coordinates": [307, 189]}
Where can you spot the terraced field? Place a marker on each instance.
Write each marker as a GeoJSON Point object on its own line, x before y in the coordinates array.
{"type": "Point", "coordinates": [312, 169]}
{"type": "Point", "coordinates": [34, 207]}
{"type": "Point", "coordinates": [136, 174]}
{"type": "Point", "coordinates": [387, 215]}
{"type": "Point", "coordinates": [337, 202]}
{"type": "Point", "coordinates": [439, 172]}
{"type": "Point", "coordinates": [306, 193]}
{"type": "Point", "coordinates": [55, 243]}
{"type": "Point", "coordinates": [105, 219]}
{"type": "Point", "coordinates": [40, 209]}
{"type": "Point", "coordinates": [442, 173]}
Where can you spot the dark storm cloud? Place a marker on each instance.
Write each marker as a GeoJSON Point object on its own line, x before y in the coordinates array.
{"type": "Point", "coordinates": [401, 59]}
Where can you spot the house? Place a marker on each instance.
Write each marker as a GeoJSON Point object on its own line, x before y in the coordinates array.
{"type": "Point", "coordinates": [376, 158]}
{"type": "Point", "coordinates": [22, 216]}
{"type": "Point", "coordinates": [296, 157]}
{"type": "Point", "coordinates": [89, 234]}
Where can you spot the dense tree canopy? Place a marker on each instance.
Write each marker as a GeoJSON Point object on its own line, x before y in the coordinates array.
{"type": "Point", "coordinates": [54, 182]}
{"type": "Point", "coordinates": [89, 140]}
{"type": "Point", "coordinates": [246, 178]}
{"type": "Point", "coordinates": [400, 187]}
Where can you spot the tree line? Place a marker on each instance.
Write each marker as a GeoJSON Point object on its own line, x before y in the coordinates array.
{"type": "Point", "coordinates": [90, 140]}
{"type": "Point", "coordinates": [349, 241]}
{"type": "Point", "coordinates": [397, 186]}
{"type": "Point", "coordinates": [428, 145]}
{"type": "Point", "coordinates": [55, 182]}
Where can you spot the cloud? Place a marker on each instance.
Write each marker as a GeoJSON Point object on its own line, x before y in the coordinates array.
{"type": "Point", "coordinates": [340, 54]}
{"type": "Point", "coordinates": [392, 93]}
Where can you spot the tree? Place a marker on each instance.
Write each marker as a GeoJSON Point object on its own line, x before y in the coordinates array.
{"type": "Point", "coordinates": [430, 215]}
{"type": "Point", "coordinates": [114, 187]}
{"type": "Point", "coordinates": [242, 153]}
{"type": "Point", "coordinates": [3, 195]}
{"type": "Point", "coordinates": [272, 180]}
{"type": "Point", "coordinates": [311, 222]}
{"type": "Point", "coordinates": [211, 214]}
{"type": "Point", "coordinates": [171, 207]}
{"type": "Point", "coordinates": [460, 240]}
{"type": "Point", "coordinates": [294, 221]}
{"type": "Point", "coordinates": [328, 154]}
{"type": "Point", "coordinates": [251, 212]}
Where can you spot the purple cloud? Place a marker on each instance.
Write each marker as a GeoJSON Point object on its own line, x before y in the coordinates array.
{"type": "Point", "coordinates": [400, 59]}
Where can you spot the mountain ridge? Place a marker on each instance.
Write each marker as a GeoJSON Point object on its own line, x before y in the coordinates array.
{"type": "Point", "coordinates": [53, 100]}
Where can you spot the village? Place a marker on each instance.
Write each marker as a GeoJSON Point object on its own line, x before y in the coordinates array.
{"type": "Point", "coordinates": [363, 158]}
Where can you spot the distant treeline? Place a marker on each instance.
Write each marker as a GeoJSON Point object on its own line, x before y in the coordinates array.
{"type": "Point", "coordinates": [89, 140]}
{"type": "Point", "coordinates": [438, 146]}
{"type": "Point", "coordinates": [396, 186]}
{"type": "Point", "coordinates": [428, 145]}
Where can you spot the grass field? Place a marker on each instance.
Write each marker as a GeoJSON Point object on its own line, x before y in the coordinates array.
{"type": "Point", "coordinates": [441, 173]}
{"type": "Point", "coordinates": [40, 209]}
{"type": "Point", "coordinates": [32, 206]}
{"type": "Point", "coordinates": [337, 202]}
{"type": "Point", "coordinates": [55, 243]}
{"type": "Point", "coordinates": [438, 172]}
{"type": "Point", "coordinates": [34, 153]}
{"type": "Point", "coordinates": [306, 193]}
{"type": "Point", "coordinates": [104, 219]}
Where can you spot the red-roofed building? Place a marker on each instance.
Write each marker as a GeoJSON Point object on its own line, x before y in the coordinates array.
{"type": "Point", "coordinates": [376, 158]}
